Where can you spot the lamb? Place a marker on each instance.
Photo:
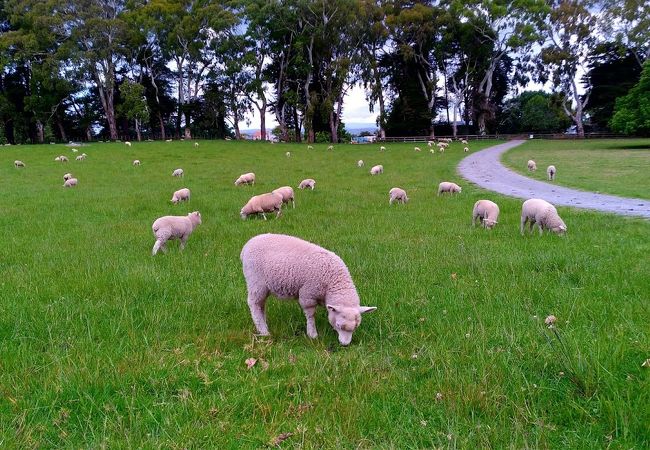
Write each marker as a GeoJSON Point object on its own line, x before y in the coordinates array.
{"type": "Point", "coordinates": [417, 149]}
{"type": "Point", "coordinates": [376, 170]}
{"type": "Point", "coordinates": [286, 192]}
{"type": "Point", "coordinates": [196, 144]}
{"type": "Point", "coordinates": [247, 178]}
{"type": "Point", "coordinates": [80, 158]}
{"type": "Point", "coordinates": [168, 140]}
{"type": "Point", "coordinates": [289, 267]}
{"type": "Point", "coordinates": [67, 176]}
{"type": "Point", "coordinates": [74, 150]}
{"type": "Point", "coordinates": [430, 144]}
{"type": "Point", "coordinates": [307, 183]}
{"type": "Point", "coordinates": [531, 165]}
{"type": "Point", "coordinates": [61, 158]}
{"type": "Point", "coordinates": [550, 171]}
{"type": "Point", "coordinates": [541, 213]}
{"type": "Point", "coordinates": [181, 195]}
{"type": "Point", "coordinates": [168, 228]}
{"type": "Point", "coordinates": [397, 195]}
{"type": "Point", "coordinates": [70, 182]}
{"type": "Point", "coordinates": [487, 212]}
{"type": "Point", "coordinates": [127, 143]}
{"type": "Point", "coordinates": [360, 163]}
{"type": "Point", "coordinates": [136, 162]}
{"type": "Point", "coordinates": [288, 154]}
{"type": "Point", "coordinates": [57, 159]}
{"type": "Point", "coordinates": [382, 149]}
{"type": "Point", "coordinates": [177, 173]}
{"type": "Point", "coordinates": [310, 147]}
{"type": "Point", "coordinates": [466, 149]}
{"type": "Point", "coordinates": [447, 186]}
{"type": "Point", "coordinates": [261, 204]}
{"type": "Point", "coordinates": [331, 147]}
{"type": "Point", "coordinates": [463, 141]}
{"type": "Point", "coordinates": [19, 163]}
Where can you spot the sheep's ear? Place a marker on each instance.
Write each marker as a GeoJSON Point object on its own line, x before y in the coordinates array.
{"type": "Point", "coordinates": [365, 309]}
{"type": "Point", "coordinates": [331, 308]}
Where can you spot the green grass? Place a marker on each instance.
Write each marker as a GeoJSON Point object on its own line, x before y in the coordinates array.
{"type": "Point", "coordinates": [103, 345]}
{"type": "Point", "coordinates": [620, 167]}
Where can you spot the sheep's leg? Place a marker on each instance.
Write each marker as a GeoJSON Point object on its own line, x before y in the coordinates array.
{"type": "Point", "coordinates": [293, 203]}
{"type": "Point", "coordinates": [156, 247]}
{"type": "Point", "coordinates": [541, 229]}
{"type": "Point", "coordinates": [184, 240]}
{"type": "Point", "coordinates": [309, 308]}
{"type": "Point", "coordinates": [523, 224]}
{"type": "Point", "coordinates": [278, 213]}
{"type": "Point", "coordinates": [256, 304]}
{"type": "Point", "coordinates": [264, 215]}
{"type": "Point", "coordinates": [474, 220]}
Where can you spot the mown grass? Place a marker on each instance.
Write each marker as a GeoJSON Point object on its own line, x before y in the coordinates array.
{"type": "Point", "coordinates": [103, 345]}
{"type": "Point", "coordinates": [608, 166]}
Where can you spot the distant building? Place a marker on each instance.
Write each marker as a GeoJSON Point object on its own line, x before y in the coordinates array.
{"type": "Point", "coordinates": [257, 135]}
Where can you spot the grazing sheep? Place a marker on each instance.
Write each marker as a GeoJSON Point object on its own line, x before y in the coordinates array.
{"type": "Point", "coordinates": [74, 150]}
{"type": "Point", "coordinates": [57, 159]}
{"type": "Point", "coordinates": [550, 171]}
{"type": "Point", "coordinates": [61, 158]}
{"type": "Point", "coordinates": [310, 147]}
{"type": "Point", "coordinates": [80, 158]}
{"type": "Point", "coordinates": [449, 187]}
{"type": "Point", "coordinates": [331, 147]}
{"type": "Point", "coordinates": [360, 163]}
{"type": "Point", "coordinates": [196, 144]}
{"type": "Point", "coordinates": [307, 183]}
{"type": "Point", "coordinates": [531, 165]}
{"type": "Point", "coordinates": [286, 192]}
{"type": "Point", "coordinates": [466, 149]}
{"type": "Point", "coordinates": [288, 154]}
{"type": "Point", "coordinates": [247, 178]}
{"type": "Point", "coordinates": [127, 143]}
{"type": "Point", "coordinates": [432, 151]}
{"type": "Point", "coordinates": [168, 140]}
{"type": "Point", "coordinates": [67, 176]}
{"type": "Point", "coordinates": [430, 144]}
{"type": "Point", "coordinates": [261, 204]}
{"type": "Point", "coordinates": [289, 267]}
{"type": "Point", "coordinates": [397, 195]}
{"type": "Point", "coordinates": [181, 195]}
{"type": "Point", "coordinates": [463, 141]}
{"type": "Point", "coordinates": [84, 155]}
{"type": "Point", "coordinates": [18, 163]}
{"type": "Point", "coordinates": [382, 149]}
{"type": "Point", "coordinates": [487, 212]}
{"type": "Point", "coordinates": [541, 213]}
{"type": "Point", "coordinates": [417, 149]}
{"type": "Point", "coordinates": [168, 228]}
{"type": "Point", "coordinates": [376, 170]}
{"type": "Point", "coordinates": [177, 173]}
{"type": "Point", "coordinates": [136, 162]}
{"type": "Point", "coordinates": [70, 182]}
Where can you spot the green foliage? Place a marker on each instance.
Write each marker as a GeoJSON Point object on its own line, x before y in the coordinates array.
{"type": "Point", "coordinates": [134, 103]}
{"type": "Point", "coordinates": [632, 112]}
{"type": "Point", "coordinates": [534, 111]}
{"type": "Point", "coordinates": [323, 137]}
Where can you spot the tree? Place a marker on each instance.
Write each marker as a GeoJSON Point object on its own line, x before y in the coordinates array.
{"type": "Point", "coordinates": [134, 104]}
{"type": "Point", "coordinates": [627, 23]}
{"type": "Point", "coordinates": [632, 112]}
{"type": "Point", "coordinates": [534, 111]}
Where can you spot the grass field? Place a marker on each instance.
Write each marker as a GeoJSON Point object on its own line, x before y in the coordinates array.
{"type": "Point", "coordinates": [608, 166]}
{"type": "Point", "coordinates": [103, 345]}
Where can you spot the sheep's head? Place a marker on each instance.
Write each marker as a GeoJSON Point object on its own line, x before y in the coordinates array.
{"type": "Point", "coordinates": [346, 319]}
{"type": "Point", "coordinates": [489, 223]}
{"type": "Point", "coordinates": [559, 229]}
{"type": "Point", "coordinates": [195, 218]}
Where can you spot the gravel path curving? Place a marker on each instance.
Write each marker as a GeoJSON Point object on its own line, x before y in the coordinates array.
{"type": "Point", "coordinates": [484, 168]}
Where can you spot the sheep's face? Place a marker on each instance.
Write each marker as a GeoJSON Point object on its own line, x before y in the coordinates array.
{"type": "Point", "coordinates": [345, 320]}
{"type": "Point", "coordinates": [559, 229]}
{"type": "Point", "coordinates": [489, 223]}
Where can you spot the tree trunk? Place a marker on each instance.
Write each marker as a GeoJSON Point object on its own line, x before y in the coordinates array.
{"type": "Point", "coordinates": [106, 96]}
{"type": "Point", "coordinates": [59, 124]}
{"type": "Point", "coordinates": [296, 125]}
{"type": "Point", "coordinates": [454, 127]}
{"type": "Point", "coordinates": [40, 132]}
{"type": "Point", "coordinates": [334, 132]}
{"type": "Point", "coordinates": [162, 126]}
{"type": "Point", "coordinates": [137, 130]}
{"type": "Point", "coordinates": [309, 110]}
{"type": "Point", "coordinates": [262, 110]}
{"type": "Point", "coordinates": [89, 134]}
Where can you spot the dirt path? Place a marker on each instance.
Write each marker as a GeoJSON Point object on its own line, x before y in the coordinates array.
{"type": "Point", "coordinates": [484, 168]}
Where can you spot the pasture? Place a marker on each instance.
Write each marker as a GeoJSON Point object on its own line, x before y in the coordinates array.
{"type": "Point", "coordinates": [103, 345]}
{"type": "Point", "coordinates": [609, 166]}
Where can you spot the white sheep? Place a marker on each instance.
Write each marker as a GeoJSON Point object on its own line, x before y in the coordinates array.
{"type": "Point", "coordinates": [168, 228]}
{"type": "Point", "coordinates": [289, 267]}
{"type": "Point", "coordinates": [449, 187]}
{"type": "Point", "coordinates": [541, 213]}
{"type": "Point", "coordinates": [181, 195]}
{"type": "Point", "coordinates": [261, 204]}
{"type": "Point", "coordinates": [331, 147]}
{"type": "Point", "coordinates": [430, 144]}
{"type": "Point", "coordinates": [487, 212]}
{"type": "Point", "coordinates": [288, 154]}
{"type": "Point", "coordinates": [417, 149]}
{"type": "Point", "coordinates": [127, 143]}
{"type": "Point", "coordinates": [136, 162]}
{"type": "Point", "coordinates": [196, 144]}
{"type": "Point", "coordinates": [57, 159]}
{"type": "Point", "coordinates": [376, 170]}
{"type": "Point", "coordinates": [80, 158]}
{"type": "Point", "coordinates": [397, 195]}
{"type": "Point", "coordinates": [310, 147]}
{"type": "Point", "coordinates": [168, 140]}
{"type": "Point", "coordinates": [550, 171]}
{"type": "Point", "coordinates": [382, 149]}
{"type": "Point", "coordinates": [307, 183]}
{"type": "Point", "coordinates": [67, 176]}
{"type": "Point", "coordinates": [463, 141]}
{"type": "Point", "coordinates": [19, 163]}
{"type": "Point", "coordinates": [246, 178]}
{"type": "Point", "coordinates": [466, 149]}
{"type": "Point", "coordinates": [432, 151]}
{"type": "Point", "coordinates": [286, 192]}
{"type": "Point", "coordinates": [177, 173]}
{"type": "Point", "coordinates": [360, 163]}
{"type": "Point", "coordinates": [531, 165]}
{"type": "Point", "coordinates": [70, 182]}
{"type": "Point", "coordinates": [62, 158]}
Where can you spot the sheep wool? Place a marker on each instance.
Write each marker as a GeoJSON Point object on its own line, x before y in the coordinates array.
{"type": "Point", "coordinates": [168, 228]}
{"type": "Point", "coordinates": [136, 162]}
{"type": "Point", "coordinates": [80, 158]}
{"type": "Point", "coordinates": [288, 154]}
{"type": "Point", "coordinates": [177, 173]}
{"type": "Point", "coordinates": [397, 195]}
{"type": "Point", "coordinates": [487, 212]}
{"type": "Point", "coordinates": [261, 204]}
{"type": "Point", "coordinates": [181, 195]}
{"type": "Point", "coordinates": [286, 192]}
{"type": "Point", "coordinates": [360, 163]}
{"type": "Point", "coordinates": [70, 182]}
{"type": "Point", "coordinates": [18, 163]}
{"type": "Point", "coordinates": [417, 149]}
{"type": "Point", "coordinates": [376, 170]}
{"type": "Point", "coordinates": [67, 176]}
{"type": "Point", "coordinates": [541, 213]}
{"type": "Point", "coordinates": [382, 149]}
{"type": "Point", "coordinates": [246, 178]}
{"type": "Point", "coordinates": [308, 183]}
{"type": "Point", "coordinates": [127, 143]}
{"type": "Point", "coordinates": [196, 144]}
{"type": "Point", "coordinates": [289, 267]}
{"type": "Point", "coordinates": [448, 187]}
{"type": "Point", "coordinates": [550, 171]}
{"type": "Point", "coordinates": [532, 166]}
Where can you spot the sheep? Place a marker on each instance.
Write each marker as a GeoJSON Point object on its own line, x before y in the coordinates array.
{"type": "Point", "coordinates": [466, 149]}
{"type": "Point", "coordinates": [288, 154]}
{"type": "Point", "coordinates": [417, 149]}
{"type": "Point", "coordinates": [430, 144]}
{"type": "Point", "coordinates": [168, 228]}
{"type": "Point", "coordinates": [136, 162]}
{"type": "Point", "coordinates": [57, 159]}
{"type": "Point", "coordinates": [550, 171]}
{"type": "Point", "coordinates": [74, 150]}
{"type": "Point", "coordinates": [487, 212]}
{"type": "Point", "coordinates": [19, 163]}
{"type": "Point", "coordinates": [286, 192]}
{"type": "Point", "coordinates": [261, 204]}
{"type": "Point", "coordinates": [289, 267]}
{"type": "Point", "coordinates": [398, 195]}
{"type": "Point", "coordinates": [463, 141]}
{"type": "Point", "coordinates": [360, 163]}
{"type": "Point", "coordinates": [196, 144]}
{"type": "Point", "coordinates": [376, 170]}
{"type": "Point", "coordinates": [382, 149]}
{"type": "Point", "coordinates": [447, 186]}
{"type": "Point", "coordinates": [61, 158]}
{"type": "Point", "coordinates": [247, 178]}
{"type": "Point", "coordinates": [531, 165]}
{"type": "Point", "coordinates": [127, 143]}
{"type": "Point", "coordinates": [307, 183]}
{"type": "Point", "coordinates": [177, 173]}
{"type": "Point", "coordinates": [432, 151]}
{"type": "Point", "coordinates": [70, 182]}
{"type": "Point", "coordinates": [310, 147]}
{"type": "Point", "coordinates": [181, 195]}
{"type": "Point", "coordinates": [67, 176]}
{"type": "Point", "coordinates": [168, 140]}
{"type": "Point", "coordinates": [84, 155]}
{"type": "Point", "coordinates": [331, 147]}
{"type": "Point", "coordinates": [541, 213]}
{"type": "Point", "coordinates": [80, 158]}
